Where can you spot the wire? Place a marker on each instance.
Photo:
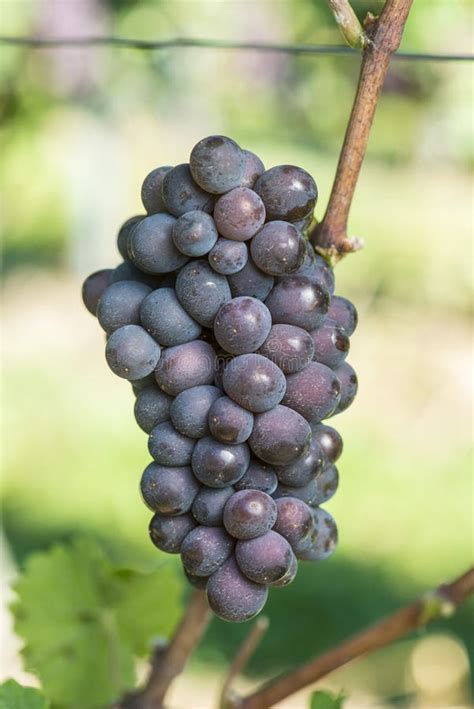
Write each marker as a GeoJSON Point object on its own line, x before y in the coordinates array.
{"type": "Point", "coordinates": [183, 42]}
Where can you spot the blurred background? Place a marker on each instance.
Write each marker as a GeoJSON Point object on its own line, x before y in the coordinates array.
{"type": "Point", "coordinates": [80, 130]}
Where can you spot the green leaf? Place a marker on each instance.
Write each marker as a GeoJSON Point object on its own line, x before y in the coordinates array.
{"type": "Point", "coordinates": [14, 696]}
{"type": "Point", "coordinates": [84, 621]}
{"type": "Point", "coordinates": [326, 700]}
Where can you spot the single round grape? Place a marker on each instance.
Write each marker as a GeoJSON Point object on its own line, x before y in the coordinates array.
{"type": "Point", "coordinates": [304, 468]}
{"type": "Point", "coordinates": [94, 287]}
{"type": "Point", "coordinates": [326, 484]}
{"type": "Point", "coordinates": [218, 465]}
{"type": "Point", "coordinates": [120, 304]}
{"type": "Point", "coordinates": [151, 189]}
{"type": "Point", "coordinates": [131, 353]}
{"type": "Point", "coordinates": [258, 476]}
{"type": "Point", "coordinates": [169, 491]}
{"type": "Point", "coordinates": [169, 447]}
{"type": "Point", "coordinates": [181, 194]}
{"type": "Point", "coordinates": [330, 441]}
{"type": "Point", "coordinates": [190, 410]}
{"type": "Point", "coordinates": [298, 301]}
{"type": "Point", "coordinates": [254, 382]}
{"type": "Point", "coordinates": [266, 560]}
{"type": "Point", "coordinates": [242, 325]}
{"type": "Point", "coordinates": [290, 348]}
{"type": "Point", "coordinates": [228, 256]}
{"type": "Point", "coordinates": [253, 168]}
{"type": "Point", "coordinates": [249, 514]}
{"type": "Point", "coordinates": [152, 406]}
{"type": "Point", "coordinates": [151, 245]}
{"type": "Point", "coordinates": [251, 281]}
{"type": "Point", "coordinates": [139, 385]}
{"type": "Point", "coordinates": [288, 192]}
{"type": "Point", "coordinates": [308, 493]}
{"type": "Point", "coordinates": [205, 549]}
{"type": "Point", "coordinates": [168, 533]}
{"type": "Point", "coordinates": [294, 520]}
{"type": "Point", "coordinates": [324, 538]}
{"type": "Point", "coordinates": [322, 273]}
{"type": "Point", "coordinates": [163, 316]}
{"type": "Point", "coordinates": [331, 344]}
{"type": "Point", "coordinates": [280, 436]}
{"type": "Point", "coordinates": [349, 385]}
{"type": "Point", "coordinates": [199, 582]}
{"type": "Point", "coordinates": [209, 503]}
{"type": "Point", "coordinates": [304, 224]}
{"type": "Point", "coordinates": [123, 237]}
{"type": "Point", "coordinates": [278, 248]}
{"type": "Point", "coordinates": [186, 366]}
{"type": "Point", "coordinates": [232, 596]}
{"type": "Point", "coordinates": [229, 422]}
{"type": "Point", "coordinates": [289, 576]}
{"type": "Point", "coordinates": [201, 291]}
{"type": "Point", "coordinates": [126, 271]}
{"type": "Point", "coordinates": [344, 313]}
{"type": "Point", "coordinates": [217, 164]}
{"type": "Point", "coordinates": [239, 214]}
{"type": "Point", "coordinates": [195, 233]}
{"type": "Point", "coordinates": [314, 392]}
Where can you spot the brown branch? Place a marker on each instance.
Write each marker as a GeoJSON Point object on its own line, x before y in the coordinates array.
{"type": "Point", "coordinates": [348, 23]}
{"type": "Point", "coordinates": [243, 655]}
{"type": "Point", "coordinates": [439, 603]}
{"type": "Point", "coordinates": [330, 236]}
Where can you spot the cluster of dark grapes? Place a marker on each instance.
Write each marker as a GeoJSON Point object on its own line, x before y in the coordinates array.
{"type": "Point", "coordinates": [223, 318]}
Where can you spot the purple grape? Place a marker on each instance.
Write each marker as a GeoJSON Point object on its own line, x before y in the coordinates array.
{"type": "Point", "coordinates": [331, 344]}
{"type": "Point", "coordinates": [254, 382]}
{"type": "Point", "coordinates": [330, 441]}
{"type": "Point", "coordinates": [126, 271]}
{"type": "Point", "coordinates": [267, 559]}
{"type": "Point", "coordinates": [253, 168]}
{"type": "Point", "coordinates": [181, 194]}
{"type": "Point", "coordinates": [280, 436]}
{"type": "Point", "coordinates": [298, 301]}
{"type": "Point", "coordinates": [228, 256]}
{"type": "Point", "coordinates": [326, 484]}
{"type": "Point", "coordinates": [123, 237]}
{"type": "Point", "coordinates": [304, 468]}
{"type": "Point", "coordinates": [205, 549]}
{"type": "Point", "coordinates": [168, 533]}
{"type": "Point", "coordinates": [322, 273]}
{"type": "Point", "coordinates": [139, 385]}
{"type": "Point", "coordinates": [289, 576]}
{"type": "Point", "coordinates": [251, 281]}
{"type": "Point", "coordinates": [344, 313]}
{"type": "Point", "coordinates": [349, 385]}
{"type": "Point", "coordinates": [209, 503]}
{"type": "Point", "coordinates": [199, 582]}
{"type": "Point", "coordinates": [288, 192]}
{"type": "Point", "coordinates": [278, 249]}
{"type": "Point", "coordinates": [120, 304]}
{"type": "Point", "coordinates": [290, 348]}
{"type": "Point", "coordinates": [239, 214]}
{"type": "Point", "coordinates": [151, 190]}
{"type": "Point", "coordinates": [304, 224]}
{"type": "Point", "coordinates": [232, 596]}
{"type": "Point", "coordinates": [151, 245]}
{"type": "Point", "coordinates": [163, 316]}
{"type": "Point", "coordinates": [131, 353]}
{"type": "Point", "coordinates": [201, 291]}
{"type": "Point", "coordinates": [259, 476]}
{"type": "Point", "coordinates": [242, 325]}
{"type": "Point", "coordinates": [169, 491]}
{"type": "Point", "coordinates": [217, 164]}
{"type": "Point", "coordinates": [94, 286]}
{"type": "Point", "coordinates": [249, 514]}
{"type": "Point", "coordinates": [169, 447]}
{"type": "Point", "coordinates": [185, 366]}
{"type": "Point", "coordinates": [294, 520]}
{"type": "Point", "coordinates": [217, 464]}
{"type": "Point", "coordinates": [308, 493]}
{"type": "Point", "coordinates": [229, 422]}
{"type": "Point", "coordinates": [190, 410]}
{"type": "Point", "coordinates": [152, 406]}
{"type": "Point", "coordinates": [195, 233]}
{"type": "Point", "coordinates": [323, 540]}
{"type": "Point", "coordinates": [314, 392]}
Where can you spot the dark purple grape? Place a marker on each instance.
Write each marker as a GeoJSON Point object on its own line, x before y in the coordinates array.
{"type": "Point", "coordinates": [254, 382]}
{"type": "Point", "coordinates": [195, 233]}
{"type": "Point", "coordinates": [218, 465]}
{"type": "Point", "coordinates": [151, 189]}
{"type": "Point", "coordinates": [201, 291]}
{"type": "Point", "coordinates": [249, 514]}
{"type": "Point", "coordinates": [169, 491]}
{"type": "Point", "coordinates": [331, 344]}
{"type": "Point", "coordinates": [344, 313]}
{"type": "Point", "coordinates": [349, 385]}
{"type": "Point", "coordinates": [205, 549]}
{"type": "Point", "coordinates": [289, 576]}
{"type": "Point", "coordinates": [290, 348]}
{"type": "Point", "coordinates": [242, 325]}
{"type": "Point", "coordinates": [126, 271]}
{"type": "Point", "coordinates": [209, 503]}
{"type": "Point", "coordinates": [314, 392]}
{"type": "Point", "coordinates": [152, 406]}
{"type": "Point", "coordinates": [253, 168]}
{"type": "Point", "coordinates": [294, 520]}
{"type": "Point", "coordinates": [239, 214]}
{"type": "Point", "coordinates": [288, 192]}
{"type": "Point", "coordinates": [298, 301]}
{"type": "Point", "coordinates": [94, 286]}
{"type": "Point", "coordinates": [280, 436]}
{"type": "Point", "coordinates": [229, 422]}
{"type": "Point", "coordinates": [123, 237]}
{"type": "Point", "coordinates": [163, 316]}
{"type": "Point", "coordinates": [267, 559]}
{"type": "Point", "coordinates": [232, 596]}
{"type": "Point", "coordinates": [131, 353]}
{"type": "Point", "coordinates": [259, 476]}
{"type": "Point", "coordinates": [190, 410]}
{"type": "Point", "coordinates": [308, 493]}
{"type": "Point", "coordinates": [120, 304]}
{"type": "Point", "coordinates": [168, 533]}
{"type": "Point", "coordinates": [326, 484]}
{"type": "Point", "coordinates": [228, 256]}
{"type": "Point", "coordinates": [169, 447]}
{"type": "Point", "coordinates": [251, 281]}
{"type": "Point", "coordinates": [322, 273]}
{"type": "Point", "coordinates": [186, 366]}
{"type": "Point", "coordinates": [139, 385]}
{"type": "Point", "coordinates": [330, 441]}
{"type": "Point", "coordinates": [199, 582]}
{"type": "Point", "coordinates": [323, 540]}
{"type": "Point", "coordinates": [304, 468]}
{"type": "Point", "coordinates": [151, 245]}
{"type": "Point", "coordinates": [278, 248]}
{"type": "Point", "coordinates": [217, 164]}
{"type": "Point", "coordinates": [304, 224]}
{"type": "Point", "coordinates": [181, 194]}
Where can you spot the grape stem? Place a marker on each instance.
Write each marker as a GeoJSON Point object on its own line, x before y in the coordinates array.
{"type": "Point", "coordinates": [384, 34]}
{"type": "Point", "coordinates": [241, 659]}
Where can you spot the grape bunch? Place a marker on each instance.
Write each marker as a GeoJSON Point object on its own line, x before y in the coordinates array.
{"type": "Point", "coordinates": [224, 320]}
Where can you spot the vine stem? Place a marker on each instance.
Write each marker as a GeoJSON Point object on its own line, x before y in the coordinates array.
{"type": "Point", "coordinates": [348, 23]}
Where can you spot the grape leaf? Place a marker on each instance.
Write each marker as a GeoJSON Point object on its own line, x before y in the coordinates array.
{"type": "Point", "coordinates": [326, 700]}
{"type": "Point", "coordinates": [14, 696]}
{"type": "Point", "coordinates": [85, 621]}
